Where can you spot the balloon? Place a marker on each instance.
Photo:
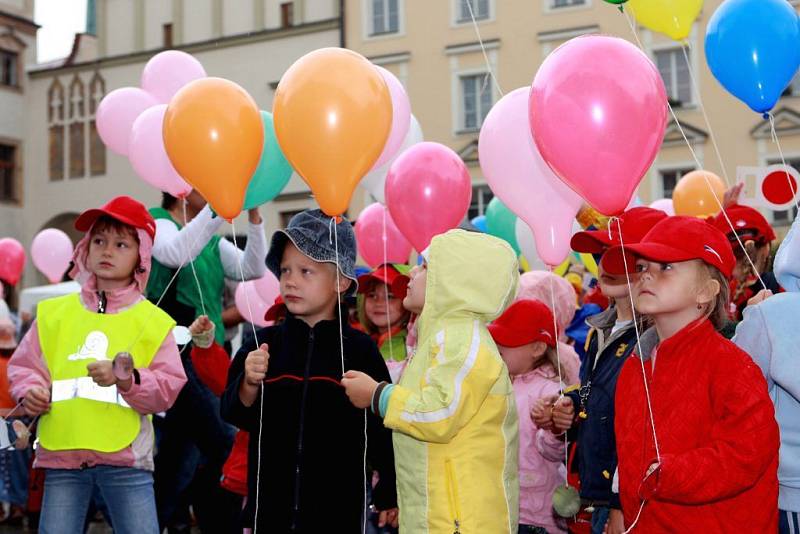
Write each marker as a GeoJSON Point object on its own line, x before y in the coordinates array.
{"type": "Point", "coordinates": [520, 177]}
{"type": "Point", "coordinates": [609, 91]}
{"type": "Point", "coordinates": [479, 223]}
{"type": "Point", "coordinates": [527, 245]}
{"type": "Point", "coordinates": [428, 191]}
{"type": "Point", "coordinates": [116, 114]}
{"type": "Point", "coordinates": [665, 205]}
{"type": "Point", "coordinates": [273, 171]}
{"type": "Point", "coordinates": [693, 196]}
{"type": "Point", "coordinates": [167, 72]}
{"type": "Point", "coordinates": [268, 287]}
{"type": "Point", "coordinates": [250, 304]}
{"type": "Point", "coordinates": [751, 48]}
{"type": "Point", "coordinates": [671, 17]}
{"type": "Point", "coordinates": [616, 2]}
{"type": "Point", "coordinates": [333, 115]}
{"type": "Point", "coordinates": [371, 237]}
{"type": "Point", "coordinates": [589, 263]}
{"type": "Point", "coordinates": [51, 252]}
{"type": "Point", "coordinates": [501, 222]}
{"type": "Point", "coordinates": [375, 181]}
{"type": "Point", "coordinates": [148, 156]}
{"type": "Point", "coordinates": [214, 137]}
{"type": "Point", "coordinates": [12, 260]}
{"type": "Point", "coordinates": [401, 117]}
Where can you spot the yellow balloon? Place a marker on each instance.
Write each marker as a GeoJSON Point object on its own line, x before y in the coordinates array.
{"type": "Point", "coordinates": [561, 269]}
{"type": "Point", "coordinates": [589, 263]}
{"type": "Point", "coordinates": [673, 18]}
{"type": "Point", "coordinates": [523, 263]}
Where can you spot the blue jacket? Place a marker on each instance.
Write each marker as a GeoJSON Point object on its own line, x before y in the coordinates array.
{"type": "Point", "coordinates": [770, 332]}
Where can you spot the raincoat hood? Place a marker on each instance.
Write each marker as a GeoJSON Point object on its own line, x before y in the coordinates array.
{"type": "Point", "coordinates": [787, 260]}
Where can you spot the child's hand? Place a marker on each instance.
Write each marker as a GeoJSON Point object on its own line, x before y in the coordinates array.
{"type": "Point", "coordinates": [542, 412]}
{"type": "Point", "coordinates": [102, 372]}
{"type": "Point", "coordinates": [732, 196]}
{"type": "Point", "coordinates": [359, 388]}
{"type": "Point", "coordinates": [760, 297]}
{"type": "Point", "coordinates": [202, 330]}
{"type": "Point", "coordinates": [563, 414]}
{"type": "Point", "coordinates": [616, 522]}
{"type": "Point", "coordinates": [256, 365]}
{"type": "Point", "coordinates": [36, 401]}
{"type": "Point", "coordinates": [388, 518]}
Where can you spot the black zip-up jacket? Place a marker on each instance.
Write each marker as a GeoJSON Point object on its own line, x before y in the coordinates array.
{"type": "Point", "coordinates": [312, 438]}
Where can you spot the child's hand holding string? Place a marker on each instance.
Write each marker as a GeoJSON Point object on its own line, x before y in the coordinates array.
{"type": "Point", "coordinates": [36, 401]}
{"type": "Point", "coordinates": [359, 387]}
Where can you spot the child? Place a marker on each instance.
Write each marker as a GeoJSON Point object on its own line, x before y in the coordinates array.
{"type": "Point", "coordinates": [94, 428]}
{"type": "Point", "coordinates": [309, 474]}
{"type": "Point", "coordinates": [769, 334]}
{"type": "Point", "coordinates": [610, 342]}
{"type": "Point", "coordinates": [526, 339]}
{"type": "Point", "coordinates": [706, 459]}
{"type": "Point", "coordinates": [453, 415]}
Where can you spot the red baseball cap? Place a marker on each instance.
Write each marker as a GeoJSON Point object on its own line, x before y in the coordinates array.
{"type": "Point", "coordinates": [675, 239]}
{"type": "Point", "coordinates": [525, 321]}
{"type": "Point", "coordinates": [635, 223]}
{"type": "Point", "coordinates": [125, 210]}
{"type": "Point", "coordinates": [748, 222]}
{"type": "Point", "coordinates": [385, 274]}
{"type": "Point", "coordinates": [277, 310]}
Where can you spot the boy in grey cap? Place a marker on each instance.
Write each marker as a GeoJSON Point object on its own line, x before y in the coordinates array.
{"type": "Point", "coordinates": [309, 474]}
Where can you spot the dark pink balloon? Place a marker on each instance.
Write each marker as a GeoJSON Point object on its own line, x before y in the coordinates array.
{"type": "Point", "coordinates": [371, 237]}
{"type": "Point", "coordinates": [12, 260]}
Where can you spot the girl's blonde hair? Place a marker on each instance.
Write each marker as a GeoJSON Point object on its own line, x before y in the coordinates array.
{"type": "Point", "coordinates": [551, 358]}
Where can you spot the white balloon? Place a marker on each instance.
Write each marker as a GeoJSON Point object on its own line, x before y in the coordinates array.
{"type": "Point", "coordinates": [375, 180]}
{"type": "Point", "coordinates": [527, 245]}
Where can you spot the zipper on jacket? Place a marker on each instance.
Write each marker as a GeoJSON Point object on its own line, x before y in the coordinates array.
{"type": "Point", "coordinates": [102, 302]}
{"type": "Point", "coordinates": [297, 471]}
{"type": "Point", "coordinates": [452, 496]}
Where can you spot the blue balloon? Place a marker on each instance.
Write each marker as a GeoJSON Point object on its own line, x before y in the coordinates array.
{"type": "Point", "coordinates": [479, 222]}
{"type": "Point", "coordinates": [753, 49]}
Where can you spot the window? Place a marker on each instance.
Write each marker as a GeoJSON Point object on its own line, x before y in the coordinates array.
{"type": "Point", "coordinates": [787, 216]}
{"type": "Point", "coordinates": [675, 73]}
{"type": "Point", "coordinates": [554, 4]}
{"type": "Point", "coordinates": [9, 68]}
{"type": "Point", "coordinates": [480, 10]}
{"type": "Point", "coordinates": [286, 216]}
{"type": "Point", "coordinates": [77, 129]}
{"type": "Point", "coordinates": [385, 18]}
{"type": "Point", "coordinates": [669, 179]}
{"type": "Point", "coordinates": [8, 167]}
{"type": "Point", "coordinates": [56, 118]}
{"type": "Point", "coordinates": [793, 89]}
{"type": "Point", "coordinates": [166, 33]}
{"type": "Point", "coordinates": [481, 196]}
{"type": "Point", "coordinates": [476, 100]}
{"type": "Point", "coordinates": [97, 150]}
{"type": "Point", "coordinates": [287, 14]}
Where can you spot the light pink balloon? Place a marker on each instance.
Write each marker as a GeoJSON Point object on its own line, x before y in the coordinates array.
{"type": "Point", "coordinates": [371, 237]}
{"type": "Point", "coordinates": [116, 114]}
{"type": "Point", "coordinates": [254, 313]}
{"type": "Point", "coordinates": [598, 113]}
{"type": "Point", "coordinates": [148, 156]}
{"type": "Point", "coordinates": [268, 287]}
{"type": "Point", "coordinates": [51, 252]}
{"type": "Point", "coordinates": [401, 117]}
{"type": "Point", "coordinates": [428, 191]}
{"type": "Point", "coordinates": [168, 71]}
{"type": "Point", "coordinates": [520, 177]}
{"type": "Point", "coordinates": [375, 180]}
{"type": "Point", "coordinates": [665, 205]}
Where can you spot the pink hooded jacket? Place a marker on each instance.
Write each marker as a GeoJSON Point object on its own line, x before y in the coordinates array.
{"type": "Point", "coordinates": [160, 382]}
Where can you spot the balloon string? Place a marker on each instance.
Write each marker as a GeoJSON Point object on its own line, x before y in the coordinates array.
{"type": "Point", "coordinates": [483, 48]}
{"type": "Point", "coordinates": [386, 290]}
{"type": "Point", "coordinates": [191, 262]}
{"type": "Point", "coordinates": [558, 363]}
{"type": "Point", "coordinates": [774, 134]}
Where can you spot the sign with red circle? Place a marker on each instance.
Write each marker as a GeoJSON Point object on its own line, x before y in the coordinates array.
{"type": "Point", "coordinates": [774, 187]}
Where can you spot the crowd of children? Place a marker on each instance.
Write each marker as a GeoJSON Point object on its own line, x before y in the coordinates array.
{"type": "Point", "coordinates": [460, 398]}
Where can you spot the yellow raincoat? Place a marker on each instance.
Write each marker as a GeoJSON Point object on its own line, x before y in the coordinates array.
{"type": "Point", "coordinates": [453, 412]}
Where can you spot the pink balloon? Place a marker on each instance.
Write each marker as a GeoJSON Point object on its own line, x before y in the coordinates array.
{"type": "Point", "coordinates": [665, 205]}
{"type": "Point", "coordinates": [268, 287]}
{"type": "Point", "coordinates": [12, 260]}
{"type": "Point", "coordinates": [375, 180]}
{"type": "Point", "coordinates": [518, 175]}
{"type": "Point", "coordinates": [428, 191]}
{"type": "Point", "coordinates": [598, 113]}
{"type": "Point", "coordinates": [168, 71]}
{"type": "Point", "coordinates": [148, 156]}
{"type": "Point", "coordinates": [51, 252]}
{"type": "Point", "coordinates": [401, 117]}
{"type": "Point", "coordinates": [116, 114]}
{"type": "Point", "coordinates": [371, 237]}
{"type": "Point", "coordinates": [256, 310]}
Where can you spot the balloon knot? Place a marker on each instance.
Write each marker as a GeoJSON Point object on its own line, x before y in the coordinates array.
{"type": "Point", "coordinates": [621, 9]}
{"type": "Point", "coordinates": [338, 219]}
{"type": "Point", "coordinates": [765, 115]}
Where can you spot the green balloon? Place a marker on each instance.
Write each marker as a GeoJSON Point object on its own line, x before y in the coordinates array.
{"type": "Point", "coordinates": [616, 2]}
{"type": "Point", "coordinates": [273, 171]}
{"type": "Point", "coordinates": [501, 222]}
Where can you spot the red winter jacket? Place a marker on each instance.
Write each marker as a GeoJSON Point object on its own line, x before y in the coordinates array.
{"type": "Point", "coordinates": [717, 434]}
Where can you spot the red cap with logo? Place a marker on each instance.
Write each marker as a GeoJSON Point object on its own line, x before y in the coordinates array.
{"type": "Point", "coordinates": [125, 210]}
{"type": "Point", "coordinates": [525, 321]}
{"type": "Point", "coordinates": [675, 239]}
{"type": "Point", "coordinates": [748, 222]}
{"type": "Point", "coordinates": [385, 274]}
{"type": "Point", "coordinates": [635, 223]}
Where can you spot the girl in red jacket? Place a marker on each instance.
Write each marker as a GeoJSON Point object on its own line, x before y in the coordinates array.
{"type": "Point", "coordinates": [696, 433]}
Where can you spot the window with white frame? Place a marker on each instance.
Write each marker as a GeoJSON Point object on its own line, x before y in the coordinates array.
{"type": "Point", "coordinates": [476, 100]}
{"type": "Point", "coordinates": [481, 196]}
{"type": "Point", "coordinates": [674, 71]}
{"type": "Point", "coordinates": [480, 10]}
{"type": "Point", "coordinates": [555, 4]}
{"type": "Point", "coordinates": [385, 17]}
{"type": "Point", "coordinates": [669, 179]}
{"type": "Point", "coordinates": [785, 217]}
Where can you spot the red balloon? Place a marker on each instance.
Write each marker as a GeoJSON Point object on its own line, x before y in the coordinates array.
{"type": "Point", "coordinates": [12, 260]}
{"type": "Point", "coordinates": [371, 237]}
{"type": "Point", "coordinates": [428, 192]}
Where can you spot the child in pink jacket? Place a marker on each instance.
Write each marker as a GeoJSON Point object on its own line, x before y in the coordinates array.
{"type": "Point", "coordinates": [526, 337]}
{"type": "Point", "coordinates": [92, 368]}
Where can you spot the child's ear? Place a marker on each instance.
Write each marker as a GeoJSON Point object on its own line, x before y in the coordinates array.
{"type": "Point", "coordinates": [708, 291]}
{"type": "Point", "coordinates": [344, 284]}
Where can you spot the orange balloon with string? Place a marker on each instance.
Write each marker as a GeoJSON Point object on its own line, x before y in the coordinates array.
{"type": "Point", "coordinates": [694, 194]}
{"type": "Point", "coordinates": [332, 114]}
{"type": "Point", "coordinates": [214, 136]}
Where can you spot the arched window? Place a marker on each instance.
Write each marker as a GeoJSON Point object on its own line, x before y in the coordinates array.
{"type": "Point", "coordinates": [97, 150]}
{"type": "Point", "coordinates": [77, 128]}
{"type": "Point", "coordinates": [56, 120]}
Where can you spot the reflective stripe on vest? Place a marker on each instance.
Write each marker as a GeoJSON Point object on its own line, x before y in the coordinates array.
{"type": "Point", "coordinates": [85, 388]}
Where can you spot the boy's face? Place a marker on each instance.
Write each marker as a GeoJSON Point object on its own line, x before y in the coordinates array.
{"type": "Point", "coordinates": [613, 286]}
{"type": "Point", "coordinates": [309, 287]}
{"type": "Point", "coordinates": [113, 256]}
{"type": "Point", "coordinates": [415, 299]}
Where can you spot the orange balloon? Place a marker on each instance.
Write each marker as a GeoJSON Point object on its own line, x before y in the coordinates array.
{"type": "Point", "coordinates": [332, 115]}
{"type": "Point", "coordinates": [214, 137]}
{"type": "Point", "coordinates": [693, 196]}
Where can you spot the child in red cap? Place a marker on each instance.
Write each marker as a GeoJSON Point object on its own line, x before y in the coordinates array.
{"type": "Point", "coordinates": [526, 338]}
{"type": "Point", "coordinates": [696, 432]}
{"type": "Point", "coordinates": [93, 367]}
